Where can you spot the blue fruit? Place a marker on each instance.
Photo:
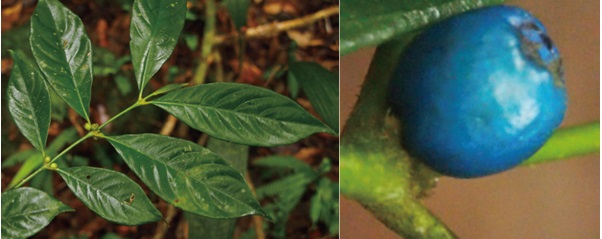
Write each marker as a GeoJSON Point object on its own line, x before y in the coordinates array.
{"type": "Point", "coordinates": [479, 92]}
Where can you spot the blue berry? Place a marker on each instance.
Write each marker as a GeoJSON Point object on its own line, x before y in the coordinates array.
{"type": "Point", "coordinates": [480, 92]}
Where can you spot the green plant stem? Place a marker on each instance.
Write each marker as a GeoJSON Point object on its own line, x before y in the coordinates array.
{"type": "Point", "coordinates": [208, 41]}
{"type": "Point", "coordinates": [387, 190]}
{"type": "Point", "coordinates": [25, 180]}
{"type": "Point", "coordinates": [90, 134]}
{"type": "Point", "coordinates": [375, 171]}
{"type": "Point", "coordinates": [138, 103]}
{"type": "Point", "coordinates": [569, 142]}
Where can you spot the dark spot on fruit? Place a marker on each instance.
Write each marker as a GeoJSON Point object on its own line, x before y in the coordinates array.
{"type": "Point", "coordinates": [547, 41]}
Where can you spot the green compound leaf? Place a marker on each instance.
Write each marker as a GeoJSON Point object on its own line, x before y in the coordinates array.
{"type": "Point", "coordinates": [62, 49]}
{"type": "Point", "coordinates": [25, 211]}
{"type": "Point", "coordinates": [154, 33]}
{"type": "Point", "coordinates": [322, 89]}
{"type": "Point", "coordinates": [29, 102]}
{"type": "Point", "coordinates": [112, 195]}
{"type": "Point", "coordinates": [238, 11]}
{"type": "Point", "coordinates": [241, 114]}
{"type": "Point", "coordinates": [187, 175]}
{"type": "Point", "coordinates": [370, 23]}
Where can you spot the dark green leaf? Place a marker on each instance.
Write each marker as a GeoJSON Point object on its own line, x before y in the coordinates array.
{"type": "Point", "coordinates": [29, 102]}
{"type": "Point", "coordinates": [241, 114]}
{"type": "Point", "coordinates": [110, 194]}
{"type": "Point", "coordinates": [25, 211]}
{"type": "Point", "coordinates": [63, 52]}
{"type": "Point", "coordinates": [370, 23]}
{"type": "Point", "coordinates": [238, 11]}
{"type": "Point", "coordinates": [187, 175]}
{"type": "Point", "coordinates": [321, 87]}
{"type": "Point", "coordinates": [154, 32]}
{"type": "Point", "coordinates": [203, 227]}
{"type": "Point", "coordinates": [292, 84]}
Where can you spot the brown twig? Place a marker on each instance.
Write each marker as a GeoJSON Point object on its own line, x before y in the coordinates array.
{"type": "Point", "coordinates": [257, 220]}
{"type": "Point", "coordinates": [272, 29]}
{"type": "Point", "coordinates": [162, 227]}
{"type": "Point", "coordinates": [169, 125]}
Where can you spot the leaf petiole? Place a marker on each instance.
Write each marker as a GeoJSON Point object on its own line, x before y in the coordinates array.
{"type": "Point", "coordinates": [53, 160]}
{"type": "Point", "coordinates": [93, 133]}
{"type": "Point", "coordinates": [138, 103]}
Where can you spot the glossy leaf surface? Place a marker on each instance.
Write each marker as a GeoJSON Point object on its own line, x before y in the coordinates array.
{"type": "Point", "coordinates": [370, 23]}
{"type": "Point", "coordinates": [112, 195]}
{"type": "Point", "coordinates": [241, 114]}
{"type": "Point", "coordinates": [63, 52]}
{"type": "Point", "coordinates": [29, 102]}
{"type": "Point", "coordinates": [187, 175]}
{"type": "Point", "coordinates": [203, 227]}
{"type": "Point", "coordinates": [322, 89]}
{"type": "Point", "coordinates": [154, 33]}
{"type": "Point", "coordinates": [25, 211]}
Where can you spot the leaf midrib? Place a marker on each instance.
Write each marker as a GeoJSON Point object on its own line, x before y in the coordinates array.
{"type": "Point", "coordinates": [145, 54]}
{"type": "Point", "coordinates": [64, 55]}
{"type": "Point", "coordinates": [167, 166]}
{"type": "Point", "coordinates": [40, 211]}
{"type": "Point", "coordinates": [30, 101]}
{"type": "Point", "coordinates": [97, 189]}
{"type": "Point", "coordinates": [236, 113]}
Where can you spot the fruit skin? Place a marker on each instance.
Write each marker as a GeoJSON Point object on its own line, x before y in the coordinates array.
{"type": "Point", "coordinates": [480, 92]}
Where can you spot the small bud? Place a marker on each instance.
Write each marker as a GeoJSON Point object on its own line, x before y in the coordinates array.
{"type": "Point", "coordinates": [87, 126]}
{"type": "Point", "coordinates": [94, 126]}
{"type": "Point", "coordinates": [53, 166]}
{"type": "Point", "coordinates": [46, 159]}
